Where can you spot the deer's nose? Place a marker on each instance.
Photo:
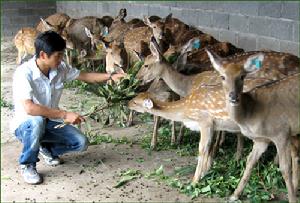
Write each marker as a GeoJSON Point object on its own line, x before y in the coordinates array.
{"type": "Point", "coordinates": [233, 96]}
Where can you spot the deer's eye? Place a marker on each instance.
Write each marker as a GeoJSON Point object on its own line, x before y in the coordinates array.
{"type": "Point", "coordinates": [146, 66]}
{"type": "Point", "coordinates": [222, 77]}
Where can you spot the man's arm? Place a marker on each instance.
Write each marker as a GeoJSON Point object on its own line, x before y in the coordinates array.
{"type": "Point", "coordinates": [98, 77]}
{"type": "Point", "coordinates": [40, 110]}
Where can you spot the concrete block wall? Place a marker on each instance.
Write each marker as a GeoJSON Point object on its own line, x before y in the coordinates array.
{"type": "Point", "coordinates": [18, 14]}
{"type": "Point", "coordinates": [249, 25]}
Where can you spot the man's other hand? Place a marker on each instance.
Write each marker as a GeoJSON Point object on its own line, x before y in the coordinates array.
{"type": "Point", "coordinates": [73, 118]}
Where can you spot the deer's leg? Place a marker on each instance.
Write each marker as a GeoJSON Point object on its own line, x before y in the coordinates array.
{"type": "Point", "coordinates": [130, 119]}
{"type": "Point", "coordinates": [69, 56]}
{"type": "Point", "coordinates": [258, 149]}
{"type": "Point", "coordinates": [154, 135]}
{"type": "Point", "coordinates": [222, 139]}
{"type": "Point", "coordinates": [180, 135]}
{"type": "Point", "coordinates": [19, 57]}
{"type": "Point", "coordinates": [24, 54]}
{"type": "Point", "coordinates": [284, 153]}
{"type": "Point", "coordinates": [217, 143]}
{"type": "Point", "coordinates": [173, 137]}
{"type": "Point", "coordinates": [204, 153]}
{"type": "Point", "coordinates": [295, 159]}
{"type": "Point", "coordinates": [276, 159]}
{"type": "Point", "coordinates": [239, 147]}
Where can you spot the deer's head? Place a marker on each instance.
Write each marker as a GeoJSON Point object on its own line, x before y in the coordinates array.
{"type": "Point", "coordinates": [119, 19]}
{"type": "Point", "coordinates": [233, 74]}
{"type": "Point", "coordinates": [96, 39]}
{"type": "Point", "coordinates": [60, 29]}
{"type": "Point", "coordinates": [141, 103]}
{"type": "Point", "coordinates": [158, 27]}
{"type": "Point", "coordinates": [153, 65]}
{"type": "Point", "coordinates": [115, 54]}
{"type": "Point", "coordinates": [48, 26]}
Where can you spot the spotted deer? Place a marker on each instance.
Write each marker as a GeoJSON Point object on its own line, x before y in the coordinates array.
{"type": "Point", "coordinates": [277, 65]}
{"type": "Point", "coordinates": [193, 60]}
{"type": "Point", "coordinates": [137, 40]}
{"type": "Point", "coordinates": [199, 41]}
{"type": "Point", "coordinates": [24, 40]}
{"type": "Point", "coordinates": [74, 31]}
{"type": "Point", "coordinates": [116, 55]}
{"type": "Point", "coordinates": [160, 91]}
{"type": "Point", "coordinates": [120, 27]}
{"type": "Point", "coordinates": [202, 110]}
{"type": "Point", "coordinates": [179, 33]}
{"type": "Point", "coordinates": [58, 20]}
{"type": "Point", "coordinates": [267, 113]}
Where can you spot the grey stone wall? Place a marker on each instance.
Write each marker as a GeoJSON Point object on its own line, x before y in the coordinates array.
{"type": "Point", "coordinates": [18, 14]}
{"type": "Point", "coordinates": [249, 25]}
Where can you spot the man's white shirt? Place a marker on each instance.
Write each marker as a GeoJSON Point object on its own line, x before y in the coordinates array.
{"type": "Point", "coordinates": [30, 83]}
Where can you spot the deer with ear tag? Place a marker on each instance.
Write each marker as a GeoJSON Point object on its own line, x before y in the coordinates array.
{"type": "Point", "coordinates": [116, 55]}
{"type": "Point", "coordinates": [268, 113]}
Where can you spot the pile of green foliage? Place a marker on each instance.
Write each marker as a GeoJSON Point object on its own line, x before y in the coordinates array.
{"type": "Point", "coordinates": [116, 94]}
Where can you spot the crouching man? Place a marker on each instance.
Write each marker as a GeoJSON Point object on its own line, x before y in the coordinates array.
{"type": "Point", "coordinates": [37, 88]}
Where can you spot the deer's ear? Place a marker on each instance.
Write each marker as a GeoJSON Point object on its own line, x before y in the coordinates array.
{"type": "Point", "coordinates": [108, 49]}
{"type": "Point", "coordinates": [215, 60]}
{"type": "Point", "coordinates": [147, 21]}
{"type": "Point", "coordinates": [138, 55]}
{"type": "Point", "coordinates": [193, 43]}
{"type": "Point", "coordinates": [83, 53]}
{"type": "Point", "coordinates": [88, 32]}
{"type": "Point", "coordinates": [197, 44]}
{"type": "Point", "coordinates": [167, 18]}
{"type": "Point", "coordinates": [47, 25]}
{"type": "Point", "coordinates": [254, 63]}
{"type": "Point", "coordinates": [154, 48]}
{"type": "Point", "coordinates": [104, 31]}
{"type": "Point", "coordinates": [148, 103]}
{"type": "Point", "coordinates": [122, 13]}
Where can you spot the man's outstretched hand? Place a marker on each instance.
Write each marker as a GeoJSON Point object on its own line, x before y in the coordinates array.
{"type": "Point", "coordinates": [116, 77]}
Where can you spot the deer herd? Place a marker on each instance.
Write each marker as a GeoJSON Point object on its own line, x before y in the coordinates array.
{"type": "Point", "coordinates": [211, 86]}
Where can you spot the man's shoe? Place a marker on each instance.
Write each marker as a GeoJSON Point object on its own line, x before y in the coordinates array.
{"type": "Point", "coordinates": [49, 158]}
{"type": "Point", "coordinates": [30, 175]}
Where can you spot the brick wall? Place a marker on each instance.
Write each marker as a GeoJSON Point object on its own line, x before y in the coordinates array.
{"type": "Point", "coordinates": [249, 25]}
{"type": "Point", "coordinates": [15, 15]}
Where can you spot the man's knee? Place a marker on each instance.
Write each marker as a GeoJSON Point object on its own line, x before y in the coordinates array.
{"type": "Point", "coordinates": [83, 143]}
{"type": "Point", "coordinates": [31, 132]}
{"type": "Point", "coordinates": [38, 123]}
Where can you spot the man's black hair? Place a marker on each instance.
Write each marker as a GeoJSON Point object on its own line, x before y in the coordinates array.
{"type": "Point", "coordinates": [49, 42]}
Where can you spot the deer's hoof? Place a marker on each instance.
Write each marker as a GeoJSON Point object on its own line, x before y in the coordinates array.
{"type": "Point", "coordinates": [195, 180]}
{"type": "Point", "coordinates": [153, 146]}
{"type": "Point", "coordinates": [233, 198]}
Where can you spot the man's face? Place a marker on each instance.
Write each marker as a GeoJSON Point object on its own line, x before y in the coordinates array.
{"type": "Point", "coordinates": [54, 59]}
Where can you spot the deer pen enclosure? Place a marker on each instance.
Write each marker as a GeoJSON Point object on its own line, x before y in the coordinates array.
{"type": "Point", "coordinates": [207, 109]}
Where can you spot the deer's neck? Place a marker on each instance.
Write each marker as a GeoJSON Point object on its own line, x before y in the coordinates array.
{"type": "Point", "coordinates": [242, 111]}
{"type": "Point", "coordinates": [168, 110]}
{"type": "Point", "coordinates": [179, 83]}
